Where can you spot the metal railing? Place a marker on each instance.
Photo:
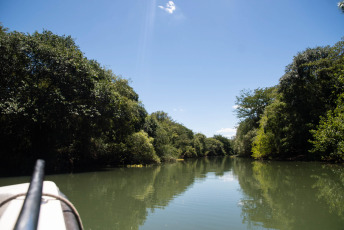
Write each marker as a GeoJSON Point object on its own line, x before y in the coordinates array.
{"type": "Point", "coordinates": [29, 214]}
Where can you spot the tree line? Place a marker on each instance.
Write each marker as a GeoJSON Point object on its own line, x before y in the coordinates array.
{"type": "Point", "coordinates": [57, 105]}
{"type": "Point", "coordinates": [302, 117]}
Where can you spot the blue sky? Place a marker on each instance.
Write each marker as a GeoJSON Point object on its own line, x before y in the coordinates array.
{"type": "Point", "coordinates": [188, 58]}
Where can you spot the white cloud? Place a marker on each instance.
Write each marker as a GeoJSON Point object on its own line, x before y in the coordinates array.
{"type": "Point", "coordinates": [178, 110]}
{"type": "Point", "coordinates": [227, 132]}
{"type": "Point", "coordinates": [235, 106]}
{"type": "Point", "coordinates": [170, 7]}
{"type": "Point", "coordinates": [228, 177]}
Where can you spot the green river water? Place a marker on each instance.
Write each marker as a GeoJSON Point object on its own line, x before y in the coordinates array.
{"type": "Point", "coordinates": [208, 193]}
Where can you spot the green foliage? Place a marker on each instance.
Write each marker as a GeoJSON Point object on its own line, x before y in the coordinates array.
{"type": "Point", "coordinates": [263, 141]}
{"type": "Point", "coordinates": [329, 135]}
{"type": "Point", "coordinates": [140, 148]}
{"type": "Point", "coordinates": [199, 144]}
{"type": "Point", "coordinates": [251, 104]}
{"type": "Point", "coordinates": [244, 138]}
{"type": "Point", "coordinates": [251, 107]}
{"type": "Point", "coordinates": [214, 147]}
{"type": "Point", "coordinates": [171, 139]}
{"type": "Point", "coordinates": [57, 105]}
{"type": "Point", "coordinates": [270, 139]}
{"type": "Point", "coordinates": [150, 126]}
{"type": "Point", "coordinates": [190, 152]}
{"type": "Point", "coordinates": [168, 152]}
{"type": "Point", "coordinates": [307, 94]}
{"type": "Point", "coordinates": [227, 145]}
{"type": "Point", "coordinates": [307, 91]}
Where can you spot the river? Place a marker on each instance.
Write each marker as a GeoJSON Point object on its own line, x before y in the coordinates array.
{"type": "Point", "coordinates": [208, 193]}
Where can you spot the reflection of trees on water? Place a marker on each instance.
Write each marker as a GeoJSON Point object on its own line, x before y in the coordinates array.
{"type": "Point", "coordinates": [121, 198]}
{"type": "Point", "coordinates": [287, 195]}
{"type": "Point", "coordinates": [330, 186]}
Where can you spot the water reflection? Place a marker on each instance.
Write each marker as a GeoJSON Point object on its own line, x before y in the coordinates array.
{"type": "Point", "coordinates": [330, 186]}
{"type": "Point", "coordinates": [215, 193]}
{"type": "Point", "coordinates": [290, 195]}
{"type": "Point", "coordinates": [122, 197]}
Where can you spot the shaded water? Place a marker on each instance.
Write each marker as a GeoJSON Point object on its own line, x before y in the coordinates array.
{"type": "Point", "coordinates": [213, 193]}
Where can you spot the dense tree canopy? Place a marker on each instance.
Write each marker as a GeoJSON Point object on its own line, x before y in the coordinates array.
{"type": "Point", "coordinates": [57, 105]}
{"type": "Point", "coordinates": [250, 108]}
{"type": "Point", "coordinates": [302, 117]}
{"type": "Point", "coordinates": [251, 104]}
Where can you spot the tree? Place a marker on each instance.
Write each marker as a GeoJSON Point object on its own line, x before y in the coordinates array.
{"type": "Point", "coordinates": [251, 105]}
{"type": "Point", "coordinates": [200, 144]}
{"type": "Point", "coordinates": [171, 139]}
{"type": "Point", "coordinates": [57, 105]}
{"type": "Point", "coordinates": [47, 95]}
{"type": "Point", "coordinates": [151, 125]}
{"type": "Point", "coordinates": [214, 147]}
{"type": "Point", "coordinates": [270, 139]}
{"type": "Point", "coordinates": [329, 136]}
{"type": "Point", "coordinates": [140, 149]}
{"type": "Point", "coordinates": [306, 95]}
{"type": "Point", "coordinates": [246, 131]}
{"type": "Point", "coordinates": [227, 145]}
{"type": "Point", "coordinates": [341, 5]}
{"type": "Point", "coordinates": [306, 92]}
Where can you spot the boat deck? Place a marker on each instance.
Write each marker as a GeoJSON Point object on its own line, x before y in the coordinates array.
{"type": "Point", "coordinates": [51, 214]}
